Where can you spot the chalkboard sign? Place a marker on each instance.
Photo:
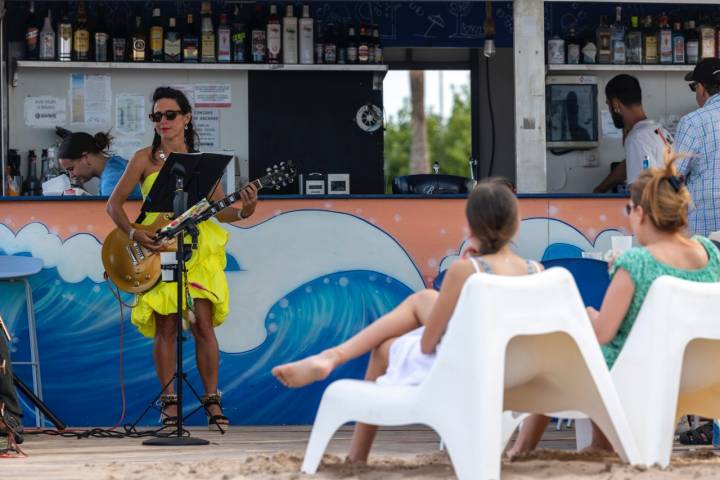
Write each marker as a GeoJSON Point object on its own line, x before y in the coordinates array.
{"type": "Point", "coordinates": [401, 23]}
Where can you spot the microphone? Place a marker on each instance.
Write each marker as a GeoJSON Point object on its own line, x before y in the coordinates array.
{"type": "Point", "coordinates": [181, 197]}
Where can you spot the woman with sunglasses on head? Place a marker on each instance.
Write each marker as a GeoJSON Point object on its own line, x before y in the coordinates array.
{"type": "Point", "coordinates": [84, 157]}
{"type": "Point", "coordinates": [154, 315]}
{"type": "Point", "coordinates": [658, 217]}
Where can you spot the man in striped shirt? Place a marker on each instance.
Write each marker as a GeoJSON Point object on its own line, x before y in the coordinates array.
{"type": "Point", "coordinates": [698, 136]}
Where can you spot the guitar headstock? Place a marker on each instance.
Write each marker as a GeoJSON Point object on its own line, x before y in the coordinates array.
{"type": "Point", "coordinates": [279, 175]}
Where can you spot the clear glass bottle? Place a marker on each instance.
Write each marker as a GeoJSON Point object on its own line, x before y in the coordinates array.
{"type": "Point", "coordinates": [47, 39]}
{"type": "Point", "coordinates": [224, 47]}
{"type": "Point", "coordinates": [572, 48]}
{"type": "Point", "coordinates": [707, 39]}
{"type": "Point", "coordinates": [289, 36]}
{"type": "Point", "coordinates": [678, 44]}
{"type": "Point", "coordinates": [665, 42]}
{"type": "Point", "coordinates": [101, 38]}
{"type": "Point", "coordinates": [65, 38]}
{"type": "Point", "coordinates": [618, 54]}
{"type": "Point", "coordinates": [258, 37]}
{"type": "Point", "coordinates": [172, 44]}
{"type": "Point", "coordinates": [307, 34]}
{"type": "Point", "coordinates": [634, 42]}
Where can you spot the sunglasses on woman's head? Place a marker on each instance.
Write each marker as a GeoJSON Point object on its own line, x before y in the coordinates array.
{"type": "Point", "coordinates": [169, 114]}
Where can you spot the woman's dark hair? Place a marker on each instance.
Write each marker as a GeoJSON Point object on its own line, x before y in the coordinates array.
{"type": "Point", "coordinates": [191, 137]}
{"type": "Point", "coordinates": [77, 144]}
{"type": "Point", "coordinates": [492, 213]}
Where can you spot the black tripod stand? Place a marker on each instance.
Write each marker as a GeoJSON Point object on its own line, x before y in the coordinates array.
{"type": "Point", "coordinates": [59, 424]}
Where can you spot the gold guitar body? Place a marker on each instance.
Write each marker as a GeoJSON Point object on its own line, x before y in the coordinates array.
{"type": "Point", "coordinates": [132, 267]}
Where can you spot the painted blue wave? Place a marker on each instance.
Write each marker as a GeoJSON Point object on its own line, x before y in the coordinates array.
{"type": "Point", "coordinates": [79, 342]}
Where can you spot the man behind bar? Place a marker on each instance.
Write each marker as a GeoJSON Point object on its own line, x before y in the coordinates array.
{"type": "Point", "coordinates": [698, 135]}
{"type": "Point", "coordinates": [644, 138]}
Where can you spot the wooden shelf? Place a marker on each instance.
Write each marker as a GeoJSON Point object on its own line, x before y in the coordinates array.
{"type": "Point", "coordinates": [201, 66]}
{"type": "Point", "coordinates": [619, 68]}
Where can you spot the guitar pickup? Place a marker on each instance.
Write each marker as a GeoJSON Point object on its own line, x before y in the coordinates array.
{"type": "Point", "coordinates": [139, 254]}
{"type": "Point", "coordinates": [129, 249]}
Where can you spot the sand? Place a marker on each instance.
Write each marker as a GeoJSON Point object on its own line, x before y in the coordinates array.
{"type": "Point", "coordinates": [286, 466]}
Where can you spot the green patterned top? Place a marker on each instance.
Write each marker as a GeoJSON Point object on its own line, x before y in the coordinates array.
{"type": "Point", "coordinates": [644, 269]}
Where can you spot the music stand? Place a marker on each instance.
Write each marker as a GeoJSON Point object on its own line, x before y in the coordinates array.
{"type": "Point", "coordinates": [184, 177]}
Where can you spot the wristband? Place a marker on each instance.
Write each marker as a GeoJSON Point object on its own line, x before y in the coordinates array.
{"type": "Point", "coordinates": [131, 233]}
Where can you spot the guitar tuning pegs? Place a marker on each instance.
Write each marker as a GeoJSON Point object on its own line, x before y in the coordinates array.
{"type": "Point", "coordinates": [277, 187]}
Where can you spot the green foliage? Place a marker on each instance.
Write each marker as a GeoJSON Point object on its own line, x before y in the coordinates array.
{"type": "Point", "coordinates": [449, 142]}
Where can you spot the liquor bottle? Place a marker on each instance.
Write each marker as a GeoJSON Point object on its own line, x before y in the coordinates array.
{"type": "Point", "coordinates": [634, 42]}
{"type": "Point", "coordinates": [352, 49]}
{"type": "Point", "coordinates": [81, 36]}
{"type": "Point", "coordinates": [307, 35]}
{"type": "Point", "coordinates": [190, 41]}
{"type": "Point", "coordinates": [371, 45]}
{"type": "Point", "coordinates": [665, 42]}
{"type": "Point", "coordinates": [139, 41]}
{"type": "Point", "coordinates": [692, 43]}
{"type": "Point", "coordinates": [239, 38]}
{"type": "Point", "coordinates": [207, 34]}
{"type": "Point", "coordinates": [101, 38]}
{"type": "Point", "coordinates": [44, 165]}
{"type": "Point", "coordinates": [618, 54]}
{"type": "Point", "coordinates": [707, 39]}
{"type": "Point", "coordinates": [319, 43]}
{"type": "Point", "coordinates": [650, 42]}
{"type": "Point", "coordinates": [32, 184]}
{"type": "Point", "coordinates": [258, 38]}
{"type": "Point", "coordinates": [47, 39]}
{"type": "Point", "coordinates": [604, 41]}
{"type": "Point", "coordinates": [65, 39]}
{"type": "Point", "coordinates": [224, 47]}
{"type": "Point", "coordinates": [572, 48]}
{"type": "Point", "coordinates": [157, 37]}
{"type": "Point", "coordinates": [289, 36]}
{"type": "Point", "coordinates": [274, 36]}
{"type": "Point", "coordinates": [378, 46]}
{"type": "Point", "coordinates": [556, 50]}
{"type": "Point", "coordinates": [342, 44]}
{"type": "Point", "coordinates": [678, 44]}
{"type": "Point", "coordinates": [32, 32]}
{"type": "Point", "coordinates": [330, 52]}
{"type": "Point", "coordinates": [172, 44]}
{"type": "Point", "coordinates": [119, 41]}
{"type": "Point", "coordinates": [363, 47]}
{"type": "Point", "coordinates": [589, 52]}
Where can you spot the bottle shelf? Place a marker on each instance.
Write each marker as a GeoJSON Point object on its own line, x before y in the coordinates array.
{"type": "Point", "coordinates": [201, 66]}
{"type": "Point", "coordinates": [618, 68]}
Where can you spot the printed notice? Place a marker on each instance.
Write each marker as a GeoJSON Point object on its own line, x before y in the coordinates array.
{"type": "Point", "coordinates": [609, 129]}
{"type": "Point", "coordinates": [90, 99]}
{"type": "Point", "coordinates": [188, 90]}
{"type": "Point", "coordinates": [126, 146]}
{"type": "Point", "coordinates": [130, 114]}
{"type": "Point", "coordinates": [207, 126]}
{"type": "Point", "coordinates": [44, 111]}
{"type": "Point", "coordinates": [213, 95]}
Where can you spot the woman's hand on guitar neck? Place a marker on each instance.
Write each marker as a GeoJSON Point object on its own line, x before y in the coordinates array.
{"type": "Point", "coordinates": [144, 239]}
{"type": "Point", "coordinates": [249, 199]}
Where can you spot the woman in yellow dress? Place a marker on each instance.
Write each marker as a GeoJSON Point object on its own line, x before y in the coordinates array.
{"type": "Point", "coordinates": [207, 285]}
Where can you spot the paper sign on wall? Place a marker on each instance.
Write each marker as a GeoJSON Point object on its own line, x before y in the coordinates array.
{"type": "Point", "coordinates": [130, 114]}
{"type": "Point", "coordinates": [213, 95]}
{"type": "Point", "coordinates": [207, 126]}
{"type": "Point", "coordinates": [44, 111]}
{"type": "Point", "coordinates": [189, 92]}
{"type": "Point", "coordinates": [609, 129]}
{"type": "Point", "coordinates": [90, 99]}
{"type": "Point", "coordinates": [126, 146]}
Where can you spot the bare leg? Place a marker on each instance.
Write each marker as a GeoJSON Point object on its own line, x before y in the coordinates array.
{"type": "Point", "coordinates": [364, 434]}
{"type": "Point", "coordinates": [206, 350]}
{"type": "Point", "coordinates": [164, 354]}
{"type": "Point", "coordinates": [530, 434]}
{"type": "Point", "coordinates": [413, 312]}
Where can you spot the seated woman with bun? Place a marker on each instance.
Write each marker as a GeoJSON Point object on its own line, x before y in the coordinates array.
{"type": "Point", "coordinates": [84, 156]}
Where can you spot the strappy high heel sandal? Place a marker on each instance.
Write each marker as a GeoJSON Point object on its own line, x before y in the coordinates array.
{"type": "Point", "coordinates": [168, 400]}
{"type": "Point", "coordinates": [219, 421]}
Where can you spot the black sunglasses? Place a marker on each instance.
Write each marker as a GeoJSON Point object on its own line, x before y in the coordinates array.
{"type": "Point", "coordinates": [693, 86]}
{"type": "Point", "coordinates": [169, 114]}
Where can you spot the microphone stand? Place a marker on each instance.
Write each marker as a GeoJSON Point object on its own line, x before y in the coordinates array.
{"type": "Point", "coordinates": [179, 206]}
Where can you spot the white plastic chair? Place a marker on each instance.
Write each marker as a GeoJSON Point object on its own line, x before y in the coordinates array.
{"type": "Point", "coordinates": [670, 364]}
{"type": "Point", "coordinates": [523, 344]}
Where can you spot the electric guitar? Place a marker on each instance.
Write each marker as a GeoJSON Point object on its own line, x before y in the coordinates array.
{"type": "Point", "coordinates": [134, 268]}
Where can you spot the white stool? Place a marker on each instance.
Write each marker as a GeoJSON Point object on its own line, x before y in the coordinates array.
{"type": "Point", "coordinates": [14, 269]}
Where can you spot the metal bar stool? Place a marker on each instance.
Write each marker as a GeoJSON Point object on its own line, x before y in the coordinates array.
{"type": "Point", "coordinates": [14, 269]}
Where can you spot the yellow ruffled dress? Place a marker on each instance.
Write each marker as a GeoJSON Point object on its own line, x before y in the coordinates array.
{"type": "Point", "coordinates": [205, 276]}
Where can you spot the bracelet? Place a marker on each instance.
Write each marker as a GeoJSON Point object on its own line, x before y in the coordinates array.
{"type": "Point", "coordinates": [131, 233]}
{"type": "Point", "coordinates": [241, 215]}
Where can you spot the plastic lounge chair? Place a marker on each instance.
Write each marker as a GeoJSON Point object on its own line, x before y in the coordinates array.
{"type": "Point", "coordinates": [668, 366]}
{"type": "Point", "coordinates": [522, 344]}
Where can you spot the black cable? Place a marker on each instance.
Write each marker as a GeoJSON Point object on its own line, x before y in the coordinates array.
{"type": "Point", "coordinates": [492, 116]}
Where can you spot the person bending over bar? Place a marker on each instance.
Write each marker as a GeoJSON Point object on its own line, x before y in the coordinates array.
{"type": "Point", "coordinates": [658, 211]}
{"type": "Point", "coordinates": [403, 342]}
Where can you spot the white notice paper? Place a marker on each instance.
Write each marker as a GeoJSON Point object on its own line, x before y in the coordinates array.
{"type": "Point", "coordinates": [126, 146]}
{"type": "Point", "coordinates": [207, 126]}
{"type": "Point", "coordinates": [130, 114]}
{"type": "Point", "coordinates": [213, 95]}
{"type": "Point", "coordinates": [608, 127]}
{"type": "Point", "coordinates": [90, 99]}
{"type": "Point", "coordinates": [188, 90]}
{"type": "Point", "coordinates": [44, 111]}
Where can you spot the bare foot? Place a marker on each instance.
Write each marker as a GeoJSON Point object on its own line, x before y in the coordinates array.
{"type": "Point", "coordinates": [308, 370]}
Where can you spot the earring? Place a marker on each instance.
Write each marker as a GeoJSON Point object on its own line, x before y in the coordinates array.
{"type": "Point", "coordinates": [186, 127]}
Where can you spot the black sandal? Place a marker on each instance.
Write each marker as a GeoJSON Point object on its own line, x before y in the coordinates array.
{"type": "Point", "coordinates": [702, 435]}
{"type": "Point", "coordinates": [219, 421]}
{"type": "Point", "coordinates": [168, 400]}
